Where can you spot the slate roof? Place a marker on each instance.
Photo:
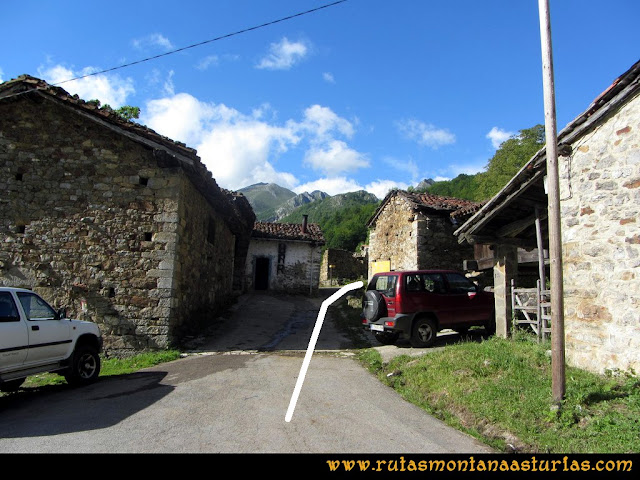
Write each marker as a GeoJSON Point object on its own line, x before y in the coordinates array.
{"type": "Point", "coordinates": [426, 202]}
{"type": "Point", "coordinates": [288, 231]}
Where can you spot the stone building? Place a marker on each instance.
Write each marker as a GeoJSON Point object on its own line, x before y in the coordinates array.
{"type": "Point", "coordinates": [415, 231]}
{"type": "Point", "coordinates": [120, 225]}
{"type": "Point", "coordinates": [599, 168]}
{"type": "Point", "coordinates": [339, 266]}
{"type": "Point", "coordinates": [284, 257]}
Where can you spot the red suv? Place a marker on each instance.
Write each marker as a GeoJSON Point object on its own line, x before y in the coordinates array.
{"type": "Point", "coordinates": [418, 304]}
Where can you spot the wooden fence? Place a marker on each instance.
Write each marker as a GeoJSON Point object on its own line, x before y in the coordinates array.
{"type": "Point", "coordinates": [532, 307]}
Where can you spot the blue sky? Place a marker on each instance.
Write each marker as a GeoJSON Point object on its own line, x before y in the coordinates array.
{"type": "Point", "coordinates": [365, 94]}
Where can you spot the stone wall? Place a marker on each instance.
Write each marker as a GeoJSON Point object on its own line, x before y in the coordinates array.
{"type": "Point", "coordinates": [89, 220]}
{"type": "Point", "coordinates": [600, 200]}
{"type": "Point", "coordinates": [411, 240]}
{"type": "Point", "coordinates": [293, 266]}
{"type": "Point", "coordinates": [339, 266]}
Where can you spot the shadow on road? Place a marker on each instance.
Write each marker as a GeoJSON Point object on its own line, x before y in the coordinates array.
{"type": "Point", "coordinates": [59, 409]}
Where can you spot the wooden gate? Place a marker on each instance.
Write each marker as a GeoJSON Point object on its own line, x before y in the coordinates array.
{"type": "Point", "coordinates": [532, 307]}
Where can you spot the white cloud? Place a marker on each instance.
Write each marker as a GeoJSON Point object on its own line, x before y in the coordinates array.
{"type": "Point", "coordinates": [425, 134]}
{"type": "Point", "coordinates": [152, 40]}
{"type": "Point", "coordinates": [335, 157]}
{"type": "Point", "coordinates": [380, 188]}
{"type": "Point", "coordinates": [1, 74]}
{"type": "Point", "coordinates": [110, 90]}
{"type": "Point", "coordinates": [236, 148]}
{"type": "Point", "coordinates": [283, 55]}
{"type": "Point", "coordinates": [328, 77]}
{"type": "Point", "coordinates": [322, 121]}
{"type": "Point", "coordinates": [326, 153]}
{"type": "Point", "coordinates": [206, 62]}
{"type": "Point", "coordinates": [168, 87]}
{"type": "Point", "coordinates": [181, 117]}
{"type": "Point", "coordinates": [498, 136]}
{"type": "Point", "coordinates": [238, 153]}
{"type": "Point", "coordinates": [332, 186]}
{"type": "Point", "coordinates": [242, 149]}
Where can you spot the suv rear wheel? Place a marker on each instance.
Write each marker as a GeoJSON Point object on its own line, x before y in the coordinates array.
{"type": "Point", "coordinates": [423, 333]}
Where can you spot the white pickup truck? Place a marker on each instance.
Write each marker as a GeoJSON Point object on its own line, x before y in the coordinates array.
{"type": "Point", "coordinates": [35, 338]}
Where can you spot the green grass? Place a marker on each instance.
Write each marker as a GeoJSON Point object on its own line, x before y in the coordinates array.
{"type": "Point", "coordinates": [499, 391]}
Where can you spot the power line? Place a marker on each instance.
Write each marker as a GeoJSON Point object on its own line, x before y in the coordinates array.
{"type": "Point", "coordinates": [273, 22]}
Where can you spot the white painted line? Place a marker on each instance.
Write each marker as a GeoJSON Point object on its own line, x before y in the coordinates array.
{"type": "Point", "coordinates": [312, 344]}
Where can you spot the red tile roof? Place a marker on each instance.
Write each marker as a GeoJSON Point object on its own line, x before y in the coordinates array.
{"type": "Point", "coordinates": [438, 202]}
{"type": "Point", "coordinates": [288, 231]}
{"type": "Point", "coordinates": [426, 201]}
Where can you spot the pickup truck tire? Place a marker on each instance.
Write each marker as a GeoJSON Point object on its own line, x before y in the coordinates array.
{"type": "Point", "coordinates": [85, 366]}
{"type": "Point", "coordinates": [373, 305]}
{"type": "Point", "coordinates": [423, 333]}
{"type": "Point", "coordinates": [11, 385]}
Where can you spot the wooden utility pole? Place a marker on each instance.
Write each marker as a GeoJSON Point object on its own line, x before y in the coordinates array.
{"type": "Point", "coordinates": [553, 196]}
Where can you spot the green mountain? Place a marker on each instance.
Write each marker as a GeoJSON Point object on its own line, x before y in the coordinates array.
{"type": "Point", "coordinates": [265, 198]}
{"type": "Point", "coordinates": [342, 218]}
{"type": "Point", "coordinates": [272, 202]}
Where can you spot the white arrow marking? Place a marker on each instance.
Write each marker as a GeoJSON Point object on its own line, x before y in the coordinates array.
{"type": "Point", "coordinates": [312, 344]}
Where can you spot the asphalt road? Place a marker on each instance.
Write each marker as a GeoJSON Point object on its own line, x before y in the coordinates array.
{"type": "Point", "coordinates": [231, 396]}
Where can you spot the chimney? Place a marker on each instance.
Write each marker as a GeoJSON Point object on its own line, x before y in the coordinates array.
{"type": "Point", "coordinates": [305, 219]}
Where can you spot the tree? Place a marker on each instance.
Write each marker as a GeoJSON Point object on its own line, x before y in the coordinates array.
{"type": "Point", "coordinates": [512, 155]}
{"type": "Point", "coordinates": [127, 112]}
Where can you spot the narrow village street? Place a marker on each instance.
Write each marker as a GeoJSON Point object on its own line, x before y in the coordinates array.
{"type": "Point", "coordinates": [232, 397]}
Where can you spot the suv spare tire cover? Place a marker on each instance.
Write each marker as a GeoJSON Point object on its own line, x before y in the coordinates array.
{"type": "Point", "coordinates": [374, 306]}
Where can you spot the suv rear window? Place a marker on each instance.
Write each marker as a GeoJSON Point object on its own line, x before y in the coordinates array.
{"type": "Point", "coordinates": [385, 284]}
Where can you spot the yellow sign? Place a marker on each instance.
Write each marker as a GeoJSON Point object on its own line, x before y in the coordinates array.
{"type": "Point", "coordinates": [383, 266]}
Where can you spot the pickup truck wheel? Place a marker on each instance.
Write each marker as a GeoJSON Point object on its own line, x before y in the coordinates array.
{"type": "Point", "coordinates": [11, 385]}
{"type": "Point", "coordinates": [85, 366]}
{"type": "Point", "coordinates": [386, 338]}
{"type": "Point", "coordinates": [423, 333]}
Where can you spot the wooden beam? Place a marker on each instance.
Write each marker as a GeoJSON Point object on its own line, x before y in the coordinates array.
{"type": "Point", "coordinates": [495, 240]}
{"type": "Point", "coordinates": [491, 213]}
{"type": "Point", "coordinates": [514, 228]}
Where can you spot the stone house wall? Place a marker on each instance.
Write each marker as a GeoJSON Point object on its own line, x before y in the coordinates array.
{"type": "Point", "coordinates": [91, 220]}
{"type": "Point", "coordinates": [415, 240]}
{"type": "Point", "coordinates": [341, 265]}
{"type": "Point", "coordinates": [293, 266]}
{"type": "Point", "coordinates": [600, 200]}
